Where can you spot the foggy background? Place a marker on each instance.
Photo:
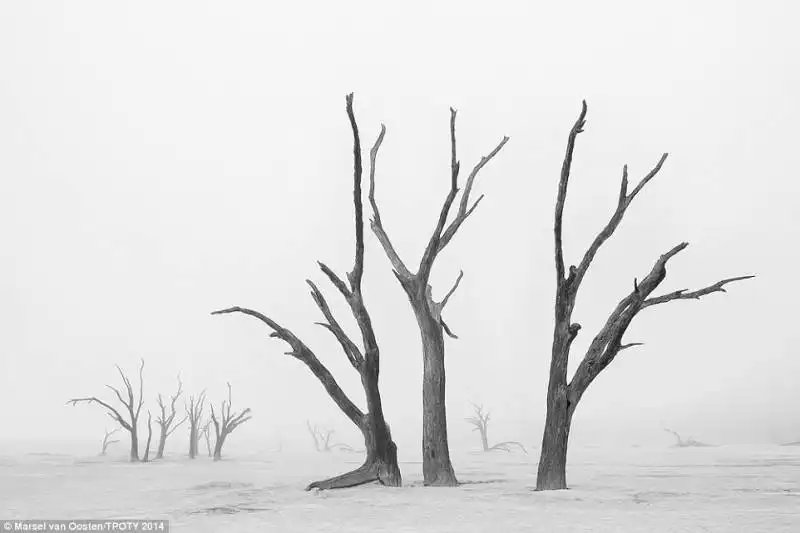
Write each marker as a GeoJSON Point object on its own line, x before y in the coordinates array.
{"type": "Point", "coordinates": [161, 160]}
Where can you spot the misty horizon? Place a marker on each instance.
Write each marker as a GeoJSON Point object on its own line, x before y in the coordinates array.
{"type": "Point", "coordinates": [151, 177]}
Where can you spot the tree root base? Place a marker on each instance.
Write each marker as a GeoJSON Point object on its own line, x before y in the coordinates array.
{"type": "Point", "coordinates": [368, 473]}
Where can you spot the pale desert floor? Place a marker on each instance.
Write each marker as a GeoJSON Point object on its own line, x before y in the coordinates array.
{"type": "Point", "coordinates": [720, 489]}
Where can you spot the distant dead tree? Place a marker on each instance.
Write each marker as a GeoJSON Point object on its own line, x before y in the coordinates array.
{"type": "Point", "coordinates": [131, 404]}
{"type": "Point", "coordinates": [480, 421]}
{"type": "Point", "coordinates": [107, 440]}
{"type": "Point", "coordinates": [563, 396]}
{"type": "Point", "coordinates": [322, 440]}
{"type": "Point", "coordinates": [227, 422]}
{"type": "Point", "coordinates": [205, 432]}
{"type": "Point", "coordinates": [149, 437]}
{"type": "Point", "coordinates": [194, 412]}
{"type": "Point", "coordinates": [381, 461]}
{"type": "Point", "coordinates": [688, 443]}
{"type": "Point", "coordinates": [436, 465]}
{"type": "Point", "coordinates": [166, 420]}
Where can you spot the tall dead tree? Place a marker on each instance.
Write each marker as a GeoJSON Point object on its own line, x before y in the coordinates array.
{"type": "Point", "coordinates": [129, 402]}
{"type": "Point", "coordinates": [166, 420]}
{"type": "Point", "coordinates": [227, 422]}
{"type": "Point", "coordinates": [563, 396]}
{"type": "Point", "coordinates": [381, 461]}
{"type": "Point", "coordinates": [194, 412]}
{"type": "Point", "coordinates": [436, 466]}
{"type": "Point", "coordinates": [107, 441]}
{"type": "Point", "coordinates": [480, 423]}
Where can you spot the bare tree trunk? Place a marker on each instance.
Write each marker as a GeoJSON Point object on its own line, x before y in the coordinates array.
{"type": "Point", "coordinates": [162, 441]}
{"type": "Point", "coordinates": [218, 447]}
{"type": "Point", "coordinates": [192, 441]}
{"type": "Point", "coordinates": [552, 472]}
{"type": "Point", "coordinates": [149, 438]}
{"type": "Point", "coordinates": [484, 440]}
{"type": "Point", "coordinates": [381, 461]}
{"type": "Point", "coordinates": [134, 445]}
{"type": "Point", "coordinates": [436, 466]}
{"type": "Point", "coordinates": [205, 432]}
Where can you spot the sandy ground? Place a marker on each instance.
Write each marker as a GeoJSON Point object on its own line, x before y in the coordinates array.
{"type": "Point", "coordinates": [720, 489]}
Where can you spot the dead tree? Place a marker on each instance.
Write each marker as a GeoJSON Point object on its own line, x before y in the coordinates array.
{"type": "Point", "coordinates": [688, 443]}
{"type": "Point", "coordinates": [166, 420]}
{"type": "Point", "coordinates": [381, 461]}
{"type": "Point", "coordinates": [131, 404]}
{"type": "Point", "coordinates": [149, 437]}
{"type": "Point", "coordinates": [322, 440]}
{"type": "Point", "coordinates": [205, 432]}
{"type": "Point", "coordinates": [480, 421]}
{"type": "Point", "coordinates": [563, 396]}
{"type": "Point", "coordinates": [194, 412]}
{"type": "Point", "coordinates": [227, 422]}
{"type": "Point", "coordinates": [107, 440]}
{"type": "Point", "coordinates": [437, 468]}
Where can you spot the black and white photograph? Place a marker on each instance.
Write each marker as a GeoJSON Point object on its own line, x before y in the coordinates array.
{"type": "Point", "coordinates": [434, 267]}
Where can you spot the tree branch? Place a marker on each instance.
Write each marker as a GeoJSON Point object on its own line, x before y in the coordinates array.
{"type": "Point", "coordinates": [116, 416]}
{"type": "Point", "coordinates": [358, 267]}
{"type": "Point", "coordinates": [562, 192]}
{"type": "Point", "coordinates": [693, 295]}
{"type": "Point", "coordinates": [464, 210]}
{"type": "Point", "coordinates": [432, 249]}
{"type": "Point", "coordinates": [350, 349]}
{"type": "Point", "coordinates": [303, 353]}
{"type": "Point", "coordinates": [622, 205]}
{"type": "Point", "coordinates": [376, 224]}
{"type": "Point", "coordinates": [451, 291]}
{"type": "Point", "coordinates": [608, 342]}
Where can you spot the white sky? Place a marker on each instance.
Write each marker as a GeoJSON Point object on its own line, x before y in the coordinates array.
{"type": "Point", "coordinates": [160, 160]}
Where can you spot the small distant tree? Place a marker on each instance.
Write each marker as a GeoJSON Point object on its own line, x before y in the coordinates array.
{"type": "Point", "coordinates": [322, 440]}
{"type": "Point", "coordinates": [688, 443]}
{"type": "Point", "coordinates": [205, 432]}
{"type": "Point", "coordinates": [166, 420]}
{"type": "Point", "coordinates": [107, 441]}
{"type": "Point", "coordinates": [129, 402]}
{"type": "Point", "coordinates": [563, 395]}
{"type": "Point", "coordinates": [228, 421]}
{"type": "Point", "coordinates": [480, 421]}
{"type": "Point", "coordinates": [194, 412]}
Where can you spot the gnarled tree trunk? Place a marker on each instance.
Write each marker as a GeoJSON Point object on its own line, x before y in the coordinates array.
{"type": "Point", "coordinates": [436, 466]}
